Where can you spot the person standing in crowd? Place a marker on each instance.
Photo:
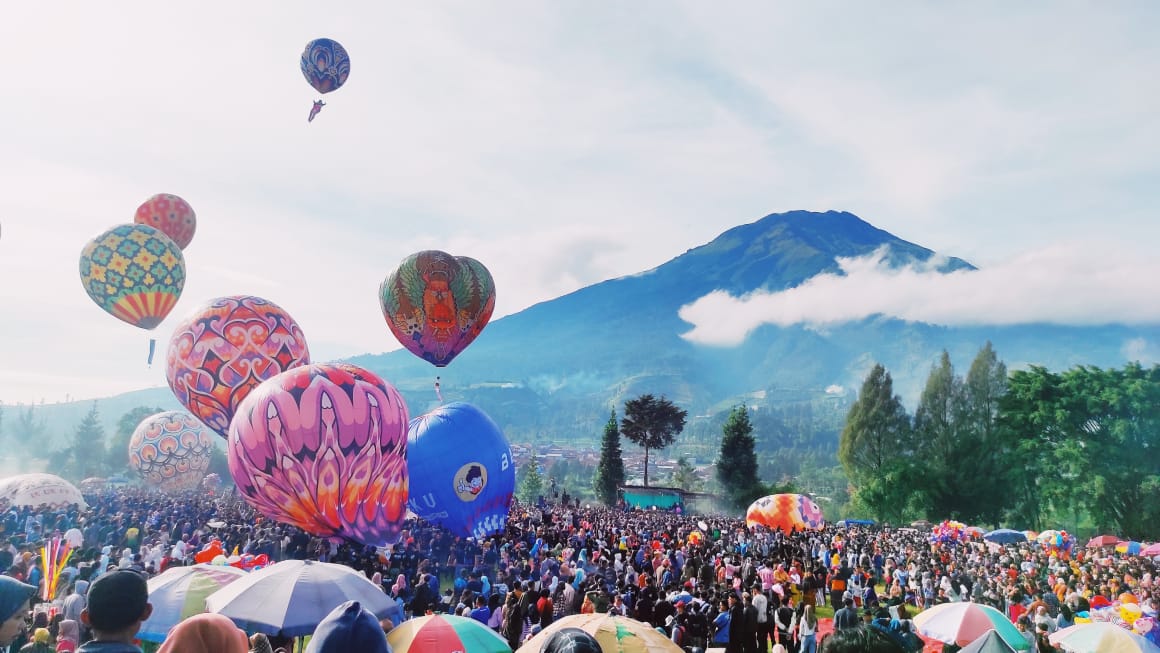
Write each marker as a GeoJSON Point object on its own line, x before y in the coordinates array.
{"type": "Point", "coordinates": [117, 605]}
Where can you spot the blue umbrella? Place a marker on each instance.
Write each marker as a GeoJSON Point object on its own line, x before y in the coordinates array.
{"type": "Point", "coordinates": [1005, 536]}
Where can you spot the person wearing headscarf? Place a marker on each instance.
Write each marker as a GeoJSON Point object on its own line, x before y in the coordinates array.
{"type": "Point", "coordinates": [39, 643]}
{"type": "Point", "coordinates": [68, 638]}
{"type": "Point", "coordinates": [76, 602]}
{"type": "Point", "coordinates": [206, 633]}
{"type": "Point", "coordinates": [14, 602]}
{"type": "Point", "coordinates": [349, 628]}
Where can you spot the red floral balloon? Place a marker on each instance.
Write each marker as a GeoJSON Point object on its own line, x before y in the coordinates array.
{"type": "Point", "coordinates": [170, 215]}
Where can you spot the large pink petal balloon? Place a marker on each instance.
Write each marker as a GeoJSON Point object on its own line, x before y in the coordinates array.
{"type": "Point", "coordinates": [324, 448]}
{"type": "Point", "coordinates": [224, 349]}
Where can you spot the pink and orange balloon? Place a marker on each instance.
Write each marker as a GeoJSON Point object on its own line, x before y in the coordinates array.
{"type": "Point", "coordinates": [170, 215]}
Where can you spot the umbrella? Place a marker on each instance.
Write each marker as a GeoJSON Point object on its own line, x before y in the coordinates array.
{"type": "Point", "coordinates": [443, 633]}
{"type": "Point", "coordinates": [1101, 637]}
{"type": "Point", "coordinates": [615, 634]}
{"type": "Point", "coordinates": [180, 593]}
{"type": "Point", "coordinates": [1048, 536]}
{"type": "Point", "coordinates": [36, 489]}
{"type": "Point", "coordinates": [1151, 550]}
{"type": "Point", "coordinates": [290, 598]}
{"type": "Point", "coordinates": [1005, 536]}
{"type": "Point", "coordinates": [963, 623]}
{"type": "Point", "coordinates": [974, 531]}
{"type": "Point", "coordinates": [1102, 540]}
{"type": "Point", "coordinates": [1131, 548]}
{"type": "Point", "coordinates": [989, 643]}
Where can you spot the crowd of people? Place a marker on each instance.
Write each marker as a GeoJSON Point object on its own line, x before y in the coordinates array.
{"type": "Point", "coordinates": [703, 581]}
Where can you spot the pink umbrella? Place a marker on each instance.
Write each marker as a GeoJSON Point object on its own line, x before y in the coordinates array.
{"type": "Point", "coordinates": [1151, 550]}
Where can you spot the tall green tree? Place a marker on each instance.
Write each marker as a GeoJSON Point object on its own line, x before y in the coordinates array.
{"type": "Point", "coordinates": [117, 454]}
{"type": "Point", "coordinates": [610, 471]}
{"type": "Point", "coordinates": [980, 445]}
{"type": "Point", "coordinates": [737, 461]}
{"type": "Point", "coordinates": [685, 476]}
{"type": "Point", "coordinates": [874, 448]}
{"type": "Point", "coordinates": [652, 423]}
{"type": "Point", "coordinates": [86, 456]}
{"type": "Point", "coordinates": [937, 423]}
{"type": "Point", "coordinates": [531, 483]}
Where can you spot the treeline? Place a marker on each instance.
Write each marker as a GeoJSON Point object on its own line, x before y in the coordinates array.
{"type": "Point", "coordinates": [1031, 449]}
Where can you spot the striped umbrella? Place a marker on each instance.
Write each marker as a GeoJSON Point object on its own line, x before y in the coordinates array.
{"type": "Point", "coordinates": [1101, 638]}
{"type": "Point", "coordinates": [179, 593]}
{"type": "Point", "coordinates": [444, 633]}
{"type": "Point", "coordinates": [614, 634]}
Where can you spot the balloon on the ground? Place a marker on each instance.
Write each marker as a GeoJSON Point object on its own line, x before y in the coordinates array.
{"type": "Point", "coordinates": [170, 215]}
{"type": "Point", "coordinates": [324, 448]}
{"type": "Point", "coordinates": [325, 65]}
{"type": "Point", "coordinates": [134, 272]}
{"type": "Point", "coordinates": [785, 512]}
{"type": "Point", "coordinates": [224, 349]}
{"type": "Point", "coordinates": [171, 450]}
{"type": "Point", "coordinates": [436, 304]}
{"type": "Point", "coordinates": [461, 471]}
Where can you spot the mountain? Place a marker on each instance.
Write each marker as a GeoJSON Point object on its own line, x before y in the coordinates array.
{"type": "Point", "coordinates": [554, 370]}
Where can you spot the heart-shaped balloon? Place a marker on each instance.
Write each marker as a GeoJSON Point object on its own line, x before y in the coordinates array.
{"type": "Point", "coordinates": [436, 304]}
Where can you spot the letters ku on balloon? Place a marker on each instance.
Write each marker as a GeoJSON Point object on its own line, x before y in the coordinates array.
{"type": "Point", "coordinates": [436, 304]}
{"type": "Point", "coordinates": [224, 349]}
{"type": "Point", "coordinates": [324, 448]}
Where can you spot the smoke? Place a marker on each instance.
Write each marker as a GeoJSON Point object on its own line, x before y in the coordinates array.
{"type": "Point", "coordinates": [1066, 284]}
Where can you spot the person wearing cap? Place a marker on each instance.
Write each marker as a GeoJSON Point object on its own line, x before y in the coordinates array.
{"type": "Point", "coordinates": [14, 605]}
{"type": "Point", "coordinates": [118, 603]}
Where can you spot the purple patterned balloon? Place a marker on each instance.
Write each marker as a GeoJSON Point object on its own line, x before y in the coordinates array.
{"type": "Point", "coordinates": [324, 448]}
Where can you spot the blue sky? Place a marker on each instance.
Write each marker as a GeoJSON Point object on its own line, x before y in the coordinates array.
{"type": "Point", "coordinates": [565, 143]}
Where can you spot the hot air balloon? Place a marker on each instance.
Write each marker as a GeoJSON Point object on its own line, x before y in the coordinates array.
{"type": "Point", "coordinates": [785, 512]}
{"type": "Point", "coordinates": [461, 471]}
{"type": "Point", "coordinates": [224, 349]}
{"type": "Point", "coordinates": [436, 304]}
{"type": "Point", "coordinates": [134, 272]}
{"type": "Point", "coordinates": [325, 65]}
{"type": "Point", "coordinates": [324, 448]}
{"type": "Point", "coordinates": [171, 450]}
{"type": "Point", "coordinates": [170, 215]}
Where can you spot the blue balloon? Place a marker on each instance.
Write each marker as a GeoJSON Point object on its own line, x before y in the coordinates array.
{"type": "Point", "coordinates": [325, 65]}
{"type": "Point", "coordinates": [460, 468]}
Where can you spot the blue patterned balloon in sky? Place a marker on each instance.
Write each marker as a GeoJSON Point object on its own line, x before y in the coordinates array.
{"type": "Point", "coordinates": [325, 65]}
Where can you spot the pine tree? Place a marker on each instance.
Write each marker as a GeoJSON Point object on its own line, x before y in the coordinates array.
{"type": "Point", "coordinates": [86, 457]}
{"type": "Point", "coordinates": [737, 462]}
{"type": "Point", "coordinates": [651, 423]}
{"type": "Point", "coordinates": [610, 470]}
{"type": "Point", "coordinates": [531, 484]}
{"type": "Point", "coordinates": [874, 446]}
{"type": "Point", "coordinates": [938, 420]}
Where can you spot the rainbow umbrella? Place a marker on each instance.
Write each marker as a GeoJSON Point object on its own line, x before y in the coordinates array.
{"type": "Point", "coordinates": [179, 593]}
{"type": "Point", "coordinates": [1130, 548]}
{"type": "Point", "coordinates": [1101, 638]}
{"type": "Point", "coordinates": [963, 623]}
{"type": "Point", "coordinates": [614, 634]}
{"type": "Point", "coordinates": [444, 633]}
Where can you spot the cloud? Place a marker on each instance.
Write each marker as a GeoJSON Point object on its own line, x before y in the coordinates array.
{"type": "Point", "coordinates": [1071, 284]}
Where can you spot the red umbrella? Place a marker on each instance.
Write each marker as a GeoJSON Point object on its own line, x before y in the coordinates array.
{"type": "Point", "coordinates": [1102, 540]}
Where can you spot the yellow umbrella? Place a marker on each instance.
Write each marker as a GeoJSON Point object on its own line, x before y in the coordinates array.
{"type": "Point", "coordinates": [614, 634]}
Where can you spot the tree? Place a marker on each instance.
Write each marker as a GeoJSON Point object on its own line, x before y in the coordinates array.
{"type": "Point", "coordinates": [610, 470]}
{"type": "Point", "coordinates": [874, 447]}
{"type": "Point", "coordinates": [651, 423]}
{"type": "Point", "coordinates": [737, 462]}
{"type": "Point", "coordinates": [980, 444]}
{"type": "Point", "coordinates": [86, 456]}
{"type": "Point", "coordinates": [937, 424]}
{"type": "Point", "coordinates": [685, 476]}
{"type": "Point", "coordinates": [117, 453]}
{"type": "Point", "coordinates": [531, 483]}
{"type": "Point", "coordinates": [30, 432]}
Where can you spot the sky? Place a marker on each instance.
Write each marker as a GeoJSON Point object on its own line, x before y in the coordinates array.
{"type": "Point", "coordinates": [566, 143]}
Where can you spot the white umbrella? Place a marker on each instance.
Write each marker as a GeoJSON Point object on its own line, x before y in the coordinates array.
{"type": "Point", "coordinates": [290, 598]}
{"type": "Point", "coordinates": [179, 593]}
{"type": "Point", "coordinates": [1101, 637]}
{"type": "Point", "coordinates": [36, 489]}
